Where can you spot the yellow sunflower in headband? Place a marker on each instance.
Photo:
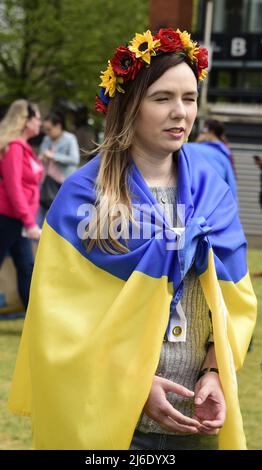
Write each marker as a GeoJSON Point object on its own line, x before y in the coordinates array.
{"type": "Point", "coordinates": [143, 46]}
{"type": "Point", "coordinates": [111, 82]}
{"type": "Point", "coordinates": [128, 60]}
{"type": "Point", "coordinates": [191, 47]}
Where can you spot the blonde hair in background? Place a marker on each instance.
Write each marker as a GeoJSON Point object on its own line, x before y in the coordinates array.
{"type": "Point", "coordinates": [13, 123]}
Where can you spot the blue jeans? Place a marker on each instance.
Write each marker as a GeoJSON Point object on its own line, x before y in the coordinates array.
{"type": "Point", "coordinates": [155, 441]}
{"type": "Point", "coordinates": [20, 250]}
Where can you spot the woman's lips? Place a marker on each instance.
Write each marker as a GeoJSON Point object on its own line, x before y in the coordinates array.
{"type": "Point", "coordinates": [175, 133]}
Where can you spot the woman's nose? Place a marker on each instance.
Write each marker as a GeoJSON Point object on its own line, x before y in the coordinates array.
{"type": "Point", "coordinates": [178, 110]}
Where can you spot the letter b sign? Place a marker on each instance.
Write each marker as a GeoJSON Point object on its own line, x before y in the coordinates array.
{"type": "Point", "coordinates": [238, 47]}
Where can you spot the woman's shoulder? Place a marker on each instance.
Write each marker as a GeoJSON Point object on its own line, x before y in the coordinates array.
{"type": "Point", "coordinates": [216, 153]}
{"type": "Point", "coordinates": [19, 146]}
{"type": "Point", "coordinates": [195, 158]}
{"type": "Point", "coordinates": [18, 142]}
{"type": "Point", "coordinates": [69, 136]}
{"type": "Point", "coordinates": [193, 154]}
{"type": "Point", "coordinates": [45, 140]}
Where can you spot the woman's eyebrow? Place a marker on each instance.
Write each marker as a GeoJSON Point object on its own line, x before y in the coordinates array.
{"type": "Point", "coordinates": [192, 93]}
{"type": "Point", "coordinates": [161, 92]}
{"type": "Point", "coordinates": [170, 93]}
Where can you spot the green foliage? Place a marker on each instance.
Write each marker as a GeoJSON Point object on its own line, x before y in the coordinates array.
{"type": "Point", "coordinates": [56, 49]}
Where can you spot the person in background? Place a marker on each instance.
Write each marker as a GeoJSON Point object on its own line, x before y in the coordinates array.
{"type": "Point", "coordinates": [59, 151]}
{"type": "Point", "coordinates": [258, 162]}
{"type": "Point", "coordinates": [20, 176]}
{"type": "Point", "coordinates": [85, 135]}
{"type": "Point", "coordinates": [214, 130]}
{"type": "Point", "coordinates": [212, 145]}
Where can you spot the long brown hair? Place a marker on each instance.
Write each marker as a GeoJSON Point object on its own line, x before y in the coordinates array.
{"type": "Point", "coordinates": [111, 182]}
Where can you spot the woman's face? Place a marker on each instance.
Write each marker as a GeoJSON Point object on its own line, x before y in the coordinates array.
{"type": "Point", "coordinates": [33, 125]}
{"type": "Point", "coordinates": [54, 131]}
{"type": "Point", "coordinates": [167, 112]}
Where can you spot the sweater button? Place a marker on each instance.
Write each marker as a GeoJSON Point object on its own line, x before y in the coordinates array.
{"type": "Point", "coordinates": [177, 331]}
{"type": "Point", "coordinates": [163, 199]}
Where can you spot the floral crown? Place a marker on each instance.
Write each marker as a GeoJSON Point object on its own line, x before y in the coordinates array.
{"type": "Point", "coordinates": [127, 61]}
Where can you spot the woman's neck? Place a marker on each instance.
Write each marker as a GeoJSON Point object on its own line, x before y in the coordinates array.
{"type": "Point", "coordinates": [156, 171]}
{"type": "Point", "coordinates": [57, 138]}
{"type": "Point", "coordinates": [24, 136]}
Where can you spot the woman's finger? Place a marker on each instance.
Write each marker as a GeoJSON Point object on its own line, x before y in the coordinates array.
{"type": "Point", "coordinates": [202, 394]}
{"type": "Point", "coordinates": [217, 423]}
{"type": "Point", "coordinates": [172, 426]}
{"type": "Point", "coordinates": [175, 415]}
{"type": "Point", "coordinates": [170, 386]}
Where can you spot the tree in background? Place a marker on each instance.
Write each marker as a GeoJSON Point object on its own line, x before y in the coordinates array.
{"type": "Point", "coordinates": [56, 49]}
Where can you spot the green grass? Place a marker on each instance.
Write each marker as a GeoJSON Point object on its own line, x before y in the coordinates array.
{"type": "Point", "coordinates": [15, 431]}
{"type": "Point", "coordinates": [250, 376]}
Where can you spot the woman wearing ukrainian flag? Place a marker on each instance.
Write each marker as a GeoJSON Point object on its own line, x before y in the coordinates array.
{"type": "Point", "coordinates": [141, 307]}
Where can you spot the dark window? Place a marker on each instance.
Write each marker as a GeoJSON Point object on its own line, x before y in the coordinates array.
{"type": "Point", "coordinates": [237, 16]}
{"type": "Point", "coordinates": [234, 85]}
{"type": "Point", "coordinates": [230, 16]}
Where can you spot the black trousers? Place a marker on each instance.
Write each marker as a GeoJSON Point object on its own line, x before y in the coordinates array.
{"type": "Point", "coordinates": [155, 441]}
{"type": "Point", "coordinates": [20, 250]}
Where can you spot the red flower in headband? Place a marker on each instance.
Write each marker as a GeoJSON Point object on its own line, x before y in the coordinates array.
{"type": "Point", "coordinates": [127, 61]}
{"type": "Point", "coordinates": [202, 62]}
{"type": "Point", "coordinates": [100, 107]}
{"type": "Point", "coordinates": [170, 41]}
{"type": "Point", "coordinates": [125, 64]}
{"type": "Point", "coordinates": [202, 58]}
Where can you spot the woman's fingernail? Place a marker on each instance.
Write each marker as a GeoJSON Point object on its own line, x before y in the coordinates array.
{"type": "Point", "coordinates": [198, 401]}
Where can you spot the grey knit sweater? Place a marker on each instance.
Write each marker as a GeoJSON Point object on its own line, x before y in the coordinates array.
{"type": "Point", "coordinates": [182, 361]}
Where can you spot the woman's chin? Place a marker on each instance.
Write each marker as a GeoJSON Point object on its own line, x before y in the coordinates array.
{"type": "Point", "coordinates": [174, 147]}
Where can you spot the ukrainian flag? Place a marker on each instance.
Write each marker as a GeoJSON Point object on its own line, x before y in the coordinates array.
{"type": "Point", "coordinates": [95, 323]}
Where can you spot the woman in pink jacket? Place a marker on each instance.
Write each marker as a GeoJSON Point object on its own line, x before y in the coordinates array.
{"type": "Point", "coordinates": [20, 175]}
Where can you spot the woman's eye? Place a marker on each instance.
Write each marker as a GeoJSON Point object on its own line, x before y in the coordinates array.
{"type": "Point", "coordinates": [162, 99]}
{"type": "Point", "coordinates": [190, 99]}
